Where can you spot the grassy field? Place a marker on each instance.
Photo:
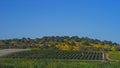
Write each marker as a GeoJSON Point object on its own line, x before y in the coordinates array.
{"type": "Point", "coordinates": [57, 64]}
{"type": "Point", "coordinates": [48, 59]}
{"type": "Point", "coordinates": [114, 55]}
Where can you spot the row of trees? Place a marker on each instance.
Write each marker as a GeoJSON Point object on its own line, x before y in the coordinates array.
{"type": "Point", "coordinates": [60, 42]}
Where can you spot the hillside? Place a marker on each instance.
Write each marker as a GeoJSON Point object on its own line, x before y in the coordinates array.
{"type": "Point", "coordinates": [61, 43]}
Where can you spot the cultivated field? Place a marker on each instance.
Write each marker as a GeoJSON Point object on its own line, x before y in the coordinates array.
{"type": "Point", "coordinates": [56, 54]}
{"type": "Point", "coordinates": [57, 59]}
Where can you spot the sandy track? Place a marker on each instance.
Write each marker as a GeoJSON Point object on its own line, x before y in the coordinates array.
{"type": "Point", "coordinates": [9, 51]}
{"type": "Point", "coordinates": [106, 57]}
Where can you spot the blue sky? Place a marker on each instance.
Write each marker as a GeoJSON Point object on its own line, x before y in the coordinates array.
{"type": "Point", "coordinates": [37, 18]}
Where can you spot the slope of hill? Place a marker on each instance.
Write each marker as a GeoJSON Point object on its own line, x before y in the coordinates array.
{"type": "Point", "coordinates": [61, 43]}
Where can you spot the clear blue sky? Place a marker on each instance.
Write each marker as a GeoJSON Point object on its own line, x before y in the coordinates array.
{"type": "Point", "coordinates": [36, 18]}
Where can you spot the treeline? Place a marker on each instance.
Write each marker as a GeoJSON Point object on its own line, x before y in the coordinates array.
{"type": "Point", "coordinates": [61, 43]}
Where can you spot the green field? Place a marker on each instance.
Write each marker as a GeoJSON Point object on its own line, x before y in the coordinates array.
{"type": "Point", "coordinates": [59, 59]}
{"type": "Point", "coordinates": [114, 55]}
{"type": "Point", "coordinates": [56, 54]}
{"type": "Point", "coordinates": [57, 64]}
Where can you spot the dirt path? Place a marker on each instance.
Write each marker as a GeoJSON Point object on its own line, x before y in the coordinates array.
{"type": "Point", "coordinates": [106, 57]}
{"type": "Point", "coordinates": [9, 51]}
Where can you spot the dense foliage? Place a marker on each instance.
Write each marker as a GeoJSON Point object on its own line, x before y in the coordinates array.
{"type": "Point", "coordinates": [61, 43]}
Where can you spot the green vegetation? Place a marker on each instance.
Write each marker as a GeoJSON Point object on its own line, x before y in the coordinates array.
{"type": "Point", "coordinates": [114, 55]}
{"type": "Point", "coordinates": [58, 64]}
{"type": "Point", "coordinates": [61, 52]}
{"type": "Point", "coordinates": [49, 58]}
{"type": "Point", "coordinates": [61, 43]}
{"type": "Point", "coordinates": [56, 54]}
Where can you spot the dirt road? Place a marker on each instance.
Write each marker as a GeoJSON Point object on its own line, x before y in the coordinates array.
{"type": "Point", "coordinates": [9, 51]}
{"type": "Point", "coordinates": [106, 57]}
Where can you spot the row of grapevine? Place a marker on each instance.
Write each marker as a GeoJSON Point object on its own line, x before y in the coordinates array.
{"type": "Point", "coordinates": [56, 54]}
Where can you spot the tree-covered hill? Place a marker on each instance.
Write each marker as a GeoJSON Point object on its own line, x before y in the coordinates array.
{"type": "Point", "coordinates": [61, 43]}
